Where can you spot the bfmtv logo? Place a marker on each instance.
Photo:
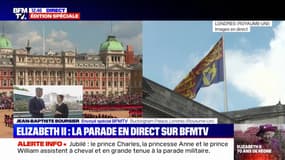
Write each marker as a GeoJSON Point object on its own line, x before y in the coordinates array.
{"type": "Point", "coordinates": [20, 13]}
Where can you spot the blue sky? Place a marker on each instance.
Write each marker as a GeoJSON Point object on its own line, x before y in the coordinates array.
{"type": "Point", "coordinates": [86, 36]}
{"type": "Point", "coordinates": [172, 48]}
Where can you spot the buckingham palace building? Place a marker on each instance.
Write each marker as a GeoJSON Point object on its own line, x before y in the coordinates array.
{"type": "Point", "coordinates": [115, 70]}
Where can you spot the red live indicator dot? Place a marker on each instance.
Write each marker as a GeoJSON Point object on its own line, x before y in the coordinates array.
{"type": "Point", "coordinates": [64, 144]}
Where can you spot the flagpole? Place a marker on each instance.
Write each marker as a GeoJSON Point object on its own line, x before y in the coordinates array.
{"type": "Point", "coordinates": [225, 78]}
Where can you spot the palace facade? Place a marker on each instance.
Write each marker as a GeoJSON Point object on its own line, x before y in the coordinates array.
{"type": "Point", "coordinates": [113, 71]}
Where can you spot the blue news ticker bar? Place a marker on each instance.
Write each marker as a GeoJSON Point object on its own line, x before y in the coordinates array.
{"type": "Point", "coordinates": [130, 130]}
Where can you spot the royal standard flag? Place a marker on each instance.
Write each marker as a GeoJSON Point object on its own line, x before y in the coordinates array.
{"type": "Point", "coordinates": [210, 70]}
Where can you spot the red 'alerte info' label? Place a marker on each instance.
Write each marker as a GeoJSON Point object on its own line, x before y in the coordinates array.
{"type": "Point", "coordinates": [54, 16]}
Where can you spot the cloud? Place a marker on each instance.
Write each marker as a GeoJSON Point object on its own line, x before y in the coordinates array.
{"type": "Point", "coordinates": [58, 41]}
{"type": "Point", "coordinates": [91, 50]}
{"type": "Point", "coordinates": [127, 29]}
{"type": "Point", "coordinates": [244, 42]}
{"type": "Point", "coordinates": [20, 32]}
{"type": "Point", "coordinates": [130, 33]}
{"type": "Point", "coordinates": [135, 41]}
{"type": "Point", "coordinates": [212, 96]}
{"type": "Point", "coordinates": [59, 35]}
{"type": "Point", "coordinates": [260, 74]}
{"type": "Point", "coordinates": [172, 76]}
{"type": "Point", "coordinates": [12, 27]}
{"type": "Point", "coordinates": [21, 41]}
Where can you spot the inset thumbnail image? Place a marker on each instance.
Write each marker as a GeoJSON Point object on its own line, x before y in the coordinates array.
{"type": "Point", "coordinates": [259, 141]}
{"type": "Point", "coordinates": [48, 101]}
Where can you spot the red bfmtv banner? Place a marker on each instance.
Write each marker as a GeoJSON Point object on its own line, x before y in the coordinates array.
{"type": "Point", "coordinates": [54, 16]}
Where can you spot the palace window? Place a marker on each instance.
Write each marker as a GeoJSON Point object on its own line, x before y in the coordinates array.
{"type": "Point", "coordinates": [86, 74]}
{"type": "Point", "coordinates": [91, 74]}
{"type": "Point", "coordinates": [81, 74]}
{"type": "Point", "coordinates": [91, 83]}
{"type": "Point", "coordinates": [4, 83]}
{"type": "Point", "coordinates": [121, 74]}
{"type": "Point", "coordinates": [30, 73]}
{"type": "Point", "coordinates": [115, 83]}
{"type": "Point", "coordinates": [30, 82]}
{"type": "Point", "coordinates": [86, 83]}
{"type": "Point", "coordinates": [4, 73]}
{"type": "Point", "coordinates": [11, 82]}
{"type": "Point", "coordinates": [21, 82]}
{"type": "Point", "coordinates": [58, 82]}
{"type": "Point", "coordinates": [52, 73]}
{"type": "Point", "coordinates": [109, 84]}
{"type": "Point", "coordinates": [116, 74]}
{"type": "Point", "coordinates": [121, 83]}
{"type": "Point", "coordinates": [97, 74]}
{"type": "Point", "coordinates": [97, 83]}
{"type": "Point", "coordinates": [103, 83]}
{"type": "Point", "coordinates": [45, 82]}
{"type": "Point", "coordinates": [110, 74]}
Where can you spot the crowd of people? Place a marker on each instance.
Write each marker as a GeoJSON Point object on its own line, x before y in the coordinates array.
{"type": "Point", "coordinates": [98, 116]}
{"type": "Point", "coordinates": [136, 113]}
{"type": "Point", "coordinates": [126, 99]}
{"type": "Point", "coordinates": [6, 102]}
{"type": "Point", "coordinates": [8, 120]}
